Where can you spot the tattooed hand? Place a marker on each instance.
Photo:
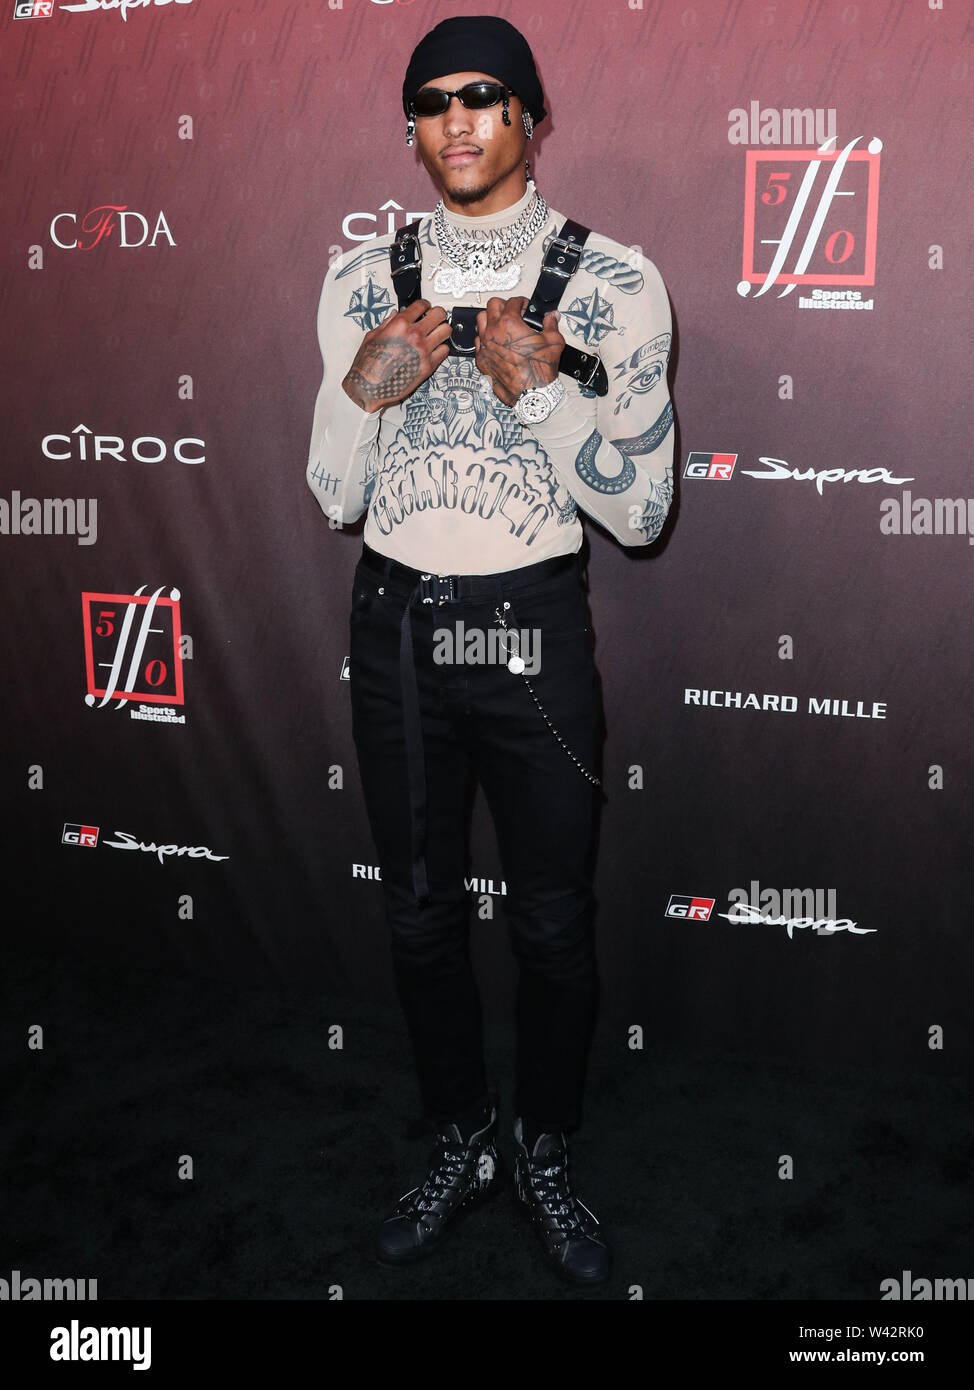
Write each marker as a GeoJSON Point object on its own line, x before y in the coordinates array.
{"type": "Point", "coordinates": [514, 355]}
{"type": "Point", "coordinates": [395, 357]}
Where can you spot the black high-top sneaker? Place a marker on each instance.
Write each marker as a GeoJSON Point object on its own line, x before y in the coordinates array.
{"type": "Point", "coordinates": [571, 1237]}
{"type": "Point", "coordinates": [462, 1174]}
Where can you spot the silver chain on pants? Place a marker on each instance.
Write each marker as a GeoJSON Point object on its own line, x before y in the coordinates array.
{"type": "Point", "coordinates": [590, 777]}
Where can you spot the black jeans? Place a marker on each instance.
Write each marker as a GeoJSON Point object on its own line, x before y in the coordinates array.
{"type": "Point", "coordinates": [480, 721]}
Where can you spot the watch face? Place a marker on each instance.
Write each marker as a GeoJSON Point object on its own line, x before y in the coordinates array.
{"type": "Point", "coordinates": [534, 406]}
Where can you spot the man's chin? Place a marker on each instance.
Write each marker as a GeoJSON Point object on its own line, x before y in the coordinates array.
{"type": "Point", "coordinates": [466, 193]}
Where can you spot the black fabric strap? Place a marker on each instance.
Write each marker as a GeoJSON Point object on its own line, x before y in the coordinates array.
{"type": "Point", "coordinates": [561, 260]}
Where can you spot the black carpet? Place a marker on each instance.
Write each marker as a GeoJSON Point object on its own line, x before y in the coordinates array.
{"type": "Point", "coordinates": [298, 1151]}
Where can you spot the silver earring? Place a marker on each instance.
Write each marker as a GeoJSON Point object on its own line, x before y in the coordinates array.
{"type": "Point", "coordinates": [410, 130]}
{"type": "Point", "coordinates": [528, 124]}
{"type": "Point", "coordinates": [504, 110]}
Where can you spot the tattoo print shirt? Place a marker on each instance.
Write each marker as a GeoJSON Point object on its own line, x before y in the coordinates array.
{"type": "Point", "coordinates": [450, 479]}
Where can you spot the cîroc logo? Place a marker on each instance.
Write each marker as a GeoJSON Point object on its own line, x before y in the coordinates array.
{"type": "Point", "coordinates": [810, 219]}
{"type": "Point", "coordinates": [72, 233]}
{"type": "Point", "coordinates": [372, 224]}
{"type": "Point", "coordinates": [134, 650]}
{"type": "Point", "coordinates": [82, 444]}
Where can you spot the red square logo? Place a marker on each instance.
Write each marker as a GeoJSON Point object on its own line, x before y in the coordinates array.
{"type": "Point", "coordinates": [132, 647]}
{"type": "Point", "coordinates": [810, 217]}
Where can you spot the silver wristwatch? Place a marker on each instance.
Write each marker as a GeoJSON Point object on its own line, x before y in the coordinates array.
{"type": "Point", "coordinates": [538, 402]}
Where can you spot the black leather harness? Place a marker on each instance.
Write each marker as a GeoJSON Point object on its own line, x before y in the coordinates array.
{"type": "Point", "coordinates": [561, 260]}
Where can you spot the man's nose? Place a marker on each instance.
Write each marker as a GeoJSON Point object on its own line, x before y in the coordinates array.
{"type": "Point", "coordinates": [457, 120]}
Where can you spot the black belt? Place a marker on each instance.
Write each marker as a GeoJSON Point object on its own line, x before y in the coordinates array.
{"type": "Point", "coordinates": [435, 590]}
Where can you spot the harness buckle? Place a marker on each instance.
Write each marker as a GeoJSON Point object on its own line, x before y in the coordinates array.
{"type": "Point", "coordinates": [463, 329]}
{"type": "Point", "coordinates": [417, 261]}
{"type": "Point", "coordinates": [574, 249]}
{"type": "Point", "coordinates": [596, 363]}
{"type": "Point", "coordinates": [459, 348]}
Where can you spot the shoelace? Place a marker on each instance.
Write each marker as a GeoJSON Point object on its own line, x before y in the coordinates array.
{"type": "Point", "coordinates": [552, 1187]}
{"type": "Point", "coordinates": [434, 1188]}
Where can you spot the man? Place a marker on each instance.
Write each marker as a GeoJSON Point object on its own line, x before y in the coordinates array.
{"type": "Point", "coordinates": [472, 465]}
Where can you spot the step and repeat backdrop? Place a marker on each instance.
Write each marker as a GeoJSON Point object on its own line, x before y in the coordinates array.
{"type": "Point", "coordinates": [785, 846]}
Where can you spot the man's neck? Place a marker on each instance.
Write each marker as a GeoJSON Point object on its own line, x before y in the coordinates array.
{"type": "Point", "coordinates": [502, 196]}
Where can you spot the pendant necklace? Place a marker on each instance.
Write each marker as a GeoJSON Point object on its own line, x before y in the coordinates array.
{"type": "Point", "coordinates": [474, 266]}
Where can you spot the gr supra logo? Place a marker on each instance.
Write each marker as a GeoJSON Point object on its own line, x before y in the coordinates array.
{"type": "Point", "coordinates": [34, 9]}
{"type": "Point", "coordinates": [718, 466]}
{"type": "Point", "coordinates": [810, 218]}
{"type": "Point", "coordinates": [86, 836]}
{"type": "Point", "coordinates": [86, 6]}
{"type": "Point", "coordinates": [73, 233]}
{"type": "Point", "coordinates": [133, 648]}
{"type": "Point", "coordinates": [690, 908]}
{"type": "Point", "coordinates": [721, 468]}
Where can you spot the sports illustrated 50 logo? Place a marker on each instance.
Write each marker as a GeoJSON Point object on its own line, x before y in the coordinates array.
{"type": "Point", "coordinates": [134, 648]}
{"type": "Point", "coordinates": [810, 219]}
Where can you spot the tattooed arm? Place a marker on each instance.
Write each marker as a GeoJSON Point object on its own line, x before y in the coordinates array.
{"type": "Point", "coordinates": [387, 363]}
{"type": "Point", "coordinates": [343, 435]}
{"type": "Point", "coordinates": [614, 453]}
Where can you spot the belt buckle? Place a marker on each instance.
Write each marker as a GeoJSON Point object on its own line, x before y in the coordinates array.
{"type": "Point", "coordinates": [438, 588]}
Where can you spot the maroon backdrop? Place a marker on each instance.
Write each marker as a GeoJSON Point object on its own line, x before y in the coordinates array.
{"type": "Point", "coordinates": [175, 180]}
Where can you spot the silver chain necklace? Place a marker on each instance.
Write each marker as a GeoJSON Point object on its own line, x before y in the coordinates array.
{"type": "Point", "coordinates": [467, 266]}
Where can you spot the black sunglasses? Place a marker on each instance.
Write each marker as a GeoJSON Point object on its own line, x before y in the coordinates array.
{"type": "Point", "coordinates": [475, 96]}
